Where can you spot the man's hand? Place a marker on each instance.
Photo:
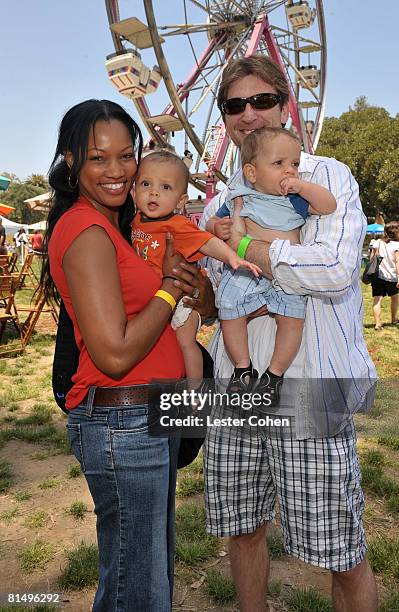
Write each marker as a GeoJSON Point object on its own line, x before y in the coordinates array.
{"type": "Point", "coordinates": [290, 185]}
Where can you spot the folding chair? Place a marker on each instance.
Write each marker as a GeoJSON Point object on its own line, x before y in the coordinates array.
{"type": "Point", "coordinates": [8, 312]}
{"type": "Point", "coordinates": [4, 264]}
{"type": "Point", "coordinates": [38, 306]}
{"type": "Point", "coordinates": [13, 262]}
{"type": "Point", "coordinates": [26, 271]}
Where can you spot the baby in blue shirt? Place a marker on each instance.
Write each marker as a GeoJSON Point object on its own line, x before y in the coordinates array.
{"type": "Point", "coordinates": [275, 206]}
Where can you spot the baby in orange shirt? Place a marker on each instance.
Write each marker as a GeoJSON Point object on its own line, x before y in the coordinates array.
{"type": "Point", "coordinates": [160, 193]}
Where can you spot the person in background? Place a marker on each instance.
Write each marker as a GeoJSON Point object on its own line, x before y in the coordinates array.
{"type": "Point", "coordinates": [120, 310]}
{"type": "Point", "coordinates": [21, 241]}
{"type": "Point", "coordinates": [3, 247]}
{"type": "Point", "coordinates": [387, 283]}
{"type": "Point", "coordinates": [36, 241]}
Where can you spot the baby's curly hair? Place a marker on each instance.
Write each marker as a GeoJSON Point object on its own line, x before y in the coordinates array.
{"type": "Point", "coordinates": [167, 156]}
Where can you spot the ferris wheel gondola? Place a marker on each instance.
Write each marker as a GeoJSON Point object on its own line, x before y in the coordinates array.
{"type": "Point", "coordinates": [213, 33]}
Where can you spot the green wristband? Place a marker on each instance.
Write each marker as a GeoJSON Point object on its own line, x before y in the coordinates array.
{"type": "Point", "coordinates": [242, 247]}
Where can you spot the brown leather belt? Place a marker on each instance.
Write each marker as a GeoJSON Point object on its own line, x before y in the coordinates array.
{"type": "Point", "coordinates": [125, 396]}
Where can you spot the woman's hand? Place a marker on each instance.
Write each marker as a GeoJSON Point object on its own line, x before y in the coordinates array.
{"type": "Point", "coordinates": [172, 258]}
{"type": "Point", "coordinates": [197, 288]}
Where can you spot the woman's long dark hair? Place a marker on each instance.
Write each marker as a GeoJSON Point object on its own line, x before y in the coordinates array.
{"type": "Point", "coordinates": [73, 138]}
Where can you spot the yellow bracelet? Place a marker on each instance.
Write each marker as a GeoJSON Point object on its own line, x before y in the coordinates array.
{"type": "Point", "coordinates": [164, 295]}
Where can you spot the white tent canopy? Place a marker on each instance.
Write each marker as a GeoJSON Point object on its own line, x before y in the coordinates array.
{"type": "Point", "coordinates": [40, 225]}
{"type": "Point", "coordinates": [10, 226]}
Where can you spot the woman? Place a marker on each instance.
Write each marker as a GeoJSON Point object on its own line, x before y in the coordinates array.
{"type": "Point", "coordinates": [388, 277]}
{"type": "Point", "coordinates": [120, 311]}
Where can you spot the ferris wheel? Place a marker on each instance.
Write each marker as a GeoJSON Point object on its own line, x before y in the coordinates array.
{"type": "Point", "coordinates": [190, 56]}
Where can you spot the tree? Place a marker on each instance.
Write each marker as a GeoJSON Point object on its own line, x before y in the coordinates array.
{"type": "Point", "coordinates": [15, 195]}
{"type": "Point", "coordinates": [38, 180]}
{"type": "Point", "coordinates": [366, 138]}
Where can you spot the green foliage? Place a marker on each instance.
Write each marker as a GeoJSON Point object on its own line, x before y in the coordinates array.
{"type": "Point", "coordinates": [193, 544]}
{"type": "Point", "coordinates": [275, 544]}
{"type": "Point", "coordinates": [5, 476]}
{"type": "Point", "coordinates": [17, 193]}
{"type": "Point", "coordinates": [9, 515]}
{"type": "Point", "coordinates": [36, 556]}
{"type": "Point", "coordinates": [219, 588]}
{"type": "Point", "coordinates": [78, 510]}
{"type": "Point", "coordinates": [366, 138]}
{"type": "Point", "coordinates": [189, 485]}
{"type": "Point", "coordinates": [383, 554]}
{"type": "Point", "coordinates": [390, 602]}
{"type": "Point", "coordinates": [36, 520]}
{"type": "Point", "coordinates": [307, 600]}
{"type": "Point", "coordinates": [82, 568]}
{"type": "Point", "coordinates": [74, 471]}
{"type": "Point", "coordinates": [48, 483]}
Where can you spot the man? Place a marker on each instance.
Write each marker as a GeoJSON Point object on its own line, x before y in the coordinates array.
{"type": "Point", "coordinates": [313, 471]}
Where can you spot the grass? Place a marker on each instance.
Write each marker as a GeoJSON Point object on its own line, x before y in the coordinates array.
{"type": "Point", "coordinates": [390, 603]}
{"type": "Point", "coordinates": [6, 476]}
{"type": "Point", "coordinates": [48, 483]}
{"type": "Point", "coordinates": [21, 496]}
{"type": "Point", "coordinates": [36, 556]}
{"type": "Point", "coordinates": [37, 434]}
{"type": "Point", "coordinates": [193, 544]}
{"type": "Point", "coordinates": [383, 554]}
{"type": "Point", "coordinates": [41, 415]}
{"type": "Point", "coordinates": [189, 485]}
{"type": "Point", "coordinates": [307, 600]}
{"type": "Point", "coordinates": [220, 589]}
{"type": "Point", "coordinates": [81, 570]}
{"type": "Point", "coordinates": [74, 471]}
{"type": "Point", "coordinates": [391, 442]}
{"type": "Point", "coordinates": [36, 520]}
{"type": "Point", "coordinates": [274, 588]}
{"type": "Point", "coordinates": [275, 544]}
{"type": "Point", "coordinates": [78, 510]}
{"type": "Point", "coordinates": [9, 515]}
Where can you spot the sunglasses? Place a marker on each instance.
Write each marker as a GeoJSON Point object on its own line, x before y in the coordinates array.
{"type": "Point", "coordinates": [262, 101]}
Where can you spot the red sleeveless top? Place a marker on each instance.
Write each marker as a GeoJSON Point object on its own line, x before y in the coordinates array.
{"type": "Point", "coordinates": [139, 283]}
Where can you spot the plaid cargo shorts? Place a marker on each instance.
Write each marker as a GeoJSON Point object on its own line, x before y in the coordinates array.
{"type": "Point", "coordinates": [316, 482]}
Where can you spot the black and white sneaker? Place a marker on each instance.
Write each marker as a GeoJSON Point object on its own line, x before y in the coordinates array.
{"type": "Point", "coordinates": [242, 380]}
{"type": "Point", "coordinates": [270, 384]}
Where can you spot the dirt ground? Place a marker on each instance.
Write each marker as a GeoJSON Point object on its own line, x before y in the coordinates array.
{"type": "Point", "coordinates": [64, 531]}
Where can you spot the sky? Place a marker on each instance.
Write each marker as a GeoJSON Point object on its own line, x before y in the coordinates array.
{"type": "Point", "coordinates": [53, 53]}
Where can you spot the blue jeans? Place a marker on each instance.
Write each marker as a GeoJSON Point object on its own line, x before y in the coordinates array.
{"type": "Point", "coordinates": [132, 479]}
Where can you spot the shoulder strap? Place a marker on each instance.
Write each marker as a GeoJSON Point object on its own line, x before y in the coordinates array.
{"type": "Point", "coordinates": [66, 358]}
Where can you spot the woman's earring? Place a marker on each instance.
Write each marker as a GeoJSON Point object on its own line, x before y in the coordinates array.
{"type": "Point", "coordinates": [72, 187]}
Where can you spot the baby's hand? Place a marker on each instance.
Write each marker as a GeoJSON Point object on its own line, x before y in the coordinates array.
{"type": "Point", "coordinates": [236, 262]}
{"type": "Point", "coordinates": [290, 185]}
{"type": "Point", "coordinates": [222, 228]}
